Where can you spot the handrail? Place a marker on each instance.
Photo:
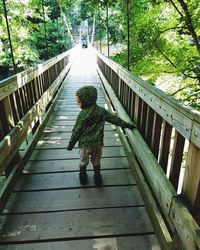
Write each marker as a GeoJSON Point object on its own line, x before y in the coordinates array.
{"type": "Point", "coordinates": [184, 119]}
{"type": "Point", "coordinates": [163, 123]}
{"type": "Point", "coordinates": [11, 84]}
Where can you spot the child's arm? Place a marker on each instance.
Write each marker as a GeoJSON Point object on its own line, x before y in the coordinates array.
{"type": "Point", "coordinates": [76, 132]}
{"type": "Point", "coordinates": [116, 120]}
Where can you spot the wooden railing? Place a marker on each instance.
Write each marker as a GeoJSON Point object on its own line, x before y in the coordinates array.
{"type": "Point", "coordinates": [26, 100]}
{"type": "Point", "coordinates": [166, 145]}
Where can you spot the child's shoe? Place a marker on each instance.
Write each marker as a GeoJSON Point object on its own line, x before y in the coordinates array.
{"type": "Point", "coordinates": [98, 179]}
{"type": "Point", "coordinates": [83, 178]}
{"type": "Point", "coordinates": [97, 175]}
{"type": "Point", "coordinates": [83, 175]}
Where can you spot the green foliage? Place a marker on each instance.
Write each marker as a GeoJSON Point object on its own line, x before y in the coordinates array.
{"type": "Point", "coordinates": [162, 35]}
{"type": "Point", "coordinates": [27, 25]}
{"type": "Point", "coordinates": [20, 35]}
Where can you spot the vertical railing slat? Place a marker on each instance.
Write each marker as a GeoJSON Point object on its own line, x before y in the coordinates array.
{"type": "Point", "coordinates": [177, 156]}
{"type": "Point", "coordinates": [149, 126]}
{"type": "Point", "coordinates": [19, 104]}
{"type": "Point", "coordinates": [165, 145]}
{"type": "Point", "coordinates": [139, 113]}
{"type": "Point", "coordinates": [25, 98]}
{"type": "Point", "coordinates": [143, 118]}
{"type": "Point", "coordinates": [156, 135]}
{"type": "Point", "coordinates": [14, 108]}
{"type": "Point", "coordinates": [132, 103]}
{"type": "Point", "coordinates": [136, 109]}
{"type": "Point", "coordinates": [7, 121]}
{"type": "Point", "coordinates": [129, 100]}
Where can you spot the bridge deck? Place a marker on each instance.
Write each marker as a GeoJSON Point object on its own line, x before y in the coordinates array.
{"type": "Point", "coordinates": [49, 209]}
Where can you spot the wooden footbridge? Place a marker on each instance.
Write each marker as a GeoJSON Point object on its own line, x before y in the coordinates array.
{"type": "Point", "coordinates": [150, 197]}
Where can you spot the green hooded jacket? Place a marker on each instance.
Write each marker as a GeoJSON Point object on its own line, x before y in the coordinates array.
{"type": "Point", "coordinates": [89, 126]}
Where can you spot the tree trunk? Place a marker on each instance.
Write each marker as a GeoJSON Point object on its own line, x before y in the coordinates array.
{"type": "Point", "coordinates": [188, 21]}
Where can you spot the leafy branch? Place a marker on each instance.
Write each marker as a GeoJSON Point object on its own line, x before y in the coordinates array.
{"type": "Point", "coordinates": [188, 20]}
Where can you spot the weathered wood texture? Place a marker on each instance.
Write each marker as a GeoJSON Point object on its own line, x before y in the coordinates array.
{"type": "Point", "coordinates": [24, 98]}
{"type": "Point", "coordinates": [166, 115]}
{"type": "Point", "coordinates": [141, 242]}
{"type": "Point", "coordinates": [32, 120]}
{"type": "Point", "coordinates": [49, 208]}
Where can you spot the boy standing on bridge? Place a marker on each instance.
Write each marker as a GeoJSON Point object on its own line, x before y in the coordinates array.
{"type": "Point", "coordinates": [89, 131]}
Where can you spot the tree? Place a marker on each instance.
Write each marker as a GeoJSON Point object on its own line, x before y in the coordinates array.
{"type": "Point", "coordinates": [165, 44]}
{"type": "Point", "coordinates": [34, 28]}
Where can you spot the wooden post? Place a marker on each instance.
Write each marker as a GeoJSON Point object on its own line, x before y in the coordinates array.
{"type": "Point", "coordinates": [191, 183]}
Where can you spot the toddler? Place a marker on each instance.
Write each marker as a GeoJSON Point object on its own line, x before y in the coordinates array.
{"type": "Point", "coordinates": [89, 131]}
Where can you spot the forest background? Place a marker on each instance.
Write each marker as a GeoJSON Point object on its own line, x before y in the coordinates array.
{"type": "Point", "coordinates": [164, 37]}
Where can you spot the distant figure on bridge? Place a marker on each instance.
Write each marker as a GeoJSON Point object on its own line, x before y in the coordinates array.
{"type": "Point", "coordinates": [89, 131]}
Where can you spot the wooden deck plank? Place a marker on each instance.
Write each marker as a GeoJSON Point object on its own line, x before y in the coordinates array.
{"type": "Point", "coordinates": [141, 242]}
{"type": "Point", "coordinates": [74, 224]}
{"type": "Point", "coordinates": [53, 144]}
{"type": "Point", "coordinates": [67, 136]}
{"type": "Point", "coordinates": [71, 180]}
{"type": "Point", "coordinates": [59, 154]}
{"type": "Point", "coordinates": [62, 123]}
{"type": "Point", "coordinates": [66, 128]}
{"type": "Point", "coordinates": [72, 101]}
{"type": "Point", "coordinates": [66, 112]}
{"type": "Point", "coordinates": [70, 96]}
{"type": "Point", "coordinates": [37, 166]}
{"type": "Point", "coordinates": [66, 99]}
{"type": "Point", "coordinates": [71, 123]}
{"type": "Point", "coordinates": [62, 117]}
{"type": "Point", "coordinates": [74, 199]}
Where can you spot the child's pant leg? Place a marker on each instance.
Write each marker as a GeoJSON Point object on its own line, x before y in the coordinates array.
{"type": "Point", "coordinates": [84, 156]}
{"type": "Point", "coordinates": [95, 159]}
{"type": "Point", "coordinates": [96, 154]}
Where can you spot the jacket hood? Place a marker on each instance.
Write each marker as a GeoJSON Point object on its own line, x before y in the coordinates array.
{"type": "Point", "coordinates": [87, 95]}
